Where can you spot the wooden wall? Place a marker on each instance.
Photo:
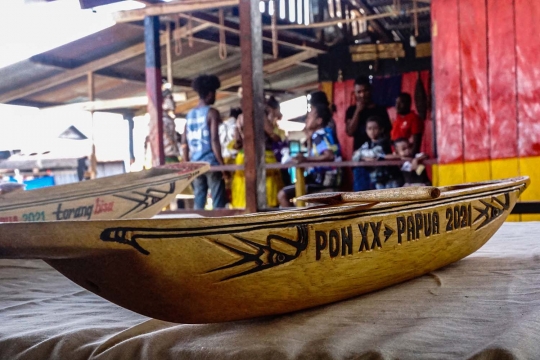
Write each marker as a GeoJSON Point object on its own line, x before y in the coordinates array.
{"type": "Point", "coordinates": [486, 61]}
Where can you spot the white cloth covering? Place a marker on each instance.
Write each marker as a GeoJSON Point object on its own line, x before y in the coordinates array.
{"type": "Point", "coordinates": [486, 306]}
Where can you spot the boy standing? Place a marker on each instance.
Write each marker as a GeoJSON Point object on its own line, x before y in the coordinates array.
{"type": "Point", "coordinates": [200, 142]}
{"type": "Point", "coordinates": [323, 148]}
{"type": "Point", "coordinates": [413, 170]}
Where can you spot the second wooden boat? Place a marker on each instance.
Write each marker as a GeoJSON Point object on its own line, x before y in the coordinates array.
{"type": "Point", "coordinates": [134, 195]}
{"type": "Point", "coordinates": [238, 267]}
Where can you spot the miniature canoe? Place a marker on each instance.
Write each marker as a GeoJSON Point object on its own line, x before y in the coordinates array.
{"type": "Point", "coordinates": [239, 267]}
{"type": "Point", "coordinates": [135, 195]}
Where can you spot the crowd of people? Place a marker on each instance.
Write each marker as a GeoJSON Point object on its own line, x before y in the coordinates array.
{"type": "Point", "coordinates": [207, 138]}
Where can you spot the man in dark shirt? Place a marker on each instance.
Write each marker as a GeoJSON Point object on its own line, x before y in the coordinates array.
{"type": "Point", "coordinates": [364, 108]}
{"type": "Point", "coordinates": [356, 118]}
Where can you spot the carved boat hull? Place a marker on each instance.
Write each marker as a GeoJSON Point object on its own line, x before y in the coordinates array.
{"type": "Point", "coordinates": [213, 270]}
{"type": "Point", "coordinates": [127, 196]}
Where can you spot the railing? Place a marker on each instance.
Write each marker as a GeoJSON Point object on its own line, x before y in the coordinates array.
{"type": "Point", "coordinates": [523, 207]}
{"type": "Point", "coordinates": [300, 181]}
{"type": "Point", "coordinates": [340, 164]}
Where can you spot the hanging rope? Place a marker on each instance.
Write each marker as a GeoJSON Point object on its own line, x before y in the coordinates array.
{"type": "Point", "coordinates": [415, 9]}
{"type": "Point", "coordinates": [177, 35]}
{"type": "Point", "coordinates": [222, 40]}
{"type": "Point", "coordinates": [190, 31]}
{"type": "Point", "coordinates": [275, 49]}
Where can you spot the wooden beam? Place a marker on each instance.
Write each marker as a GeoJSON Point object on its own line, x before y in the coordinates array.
{"type": "Point", "coordinates": [283, 39]}
{"type": "Point", "coordinates": [168, 52]}
{"type": "Point", "coordinates": [272, 67]}
{"type": "Point", "coordinates": [171, 8]}
{"type": "Point", "coordinates": [253, 104]}
{"type": "Point", "coordinates": [91, 95]}
{"type": "Point", "coordinates": [78, 89]}
{"type": "Point", "coordinates": [80, 71]}
{"type": "Point", "coordinates": [153, 88]}
{"type": "Point", "coordinates": [91, 87]}
{"type": "Point", "coordinates": [206, 40]}
{"type": "Point", "coordinates": [123, 103]}
{"type": "Point", "coordinates": [62, 65]}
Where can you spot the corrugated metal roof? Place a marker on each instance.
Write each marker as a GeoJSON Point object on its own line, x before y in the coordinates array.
{"type": "Point", "coordinates": [126, 78]}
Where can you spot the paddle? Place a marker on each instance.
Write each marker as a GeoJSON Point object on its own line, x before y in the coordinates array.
{"type": "Point", "coordinates": [385, 195]}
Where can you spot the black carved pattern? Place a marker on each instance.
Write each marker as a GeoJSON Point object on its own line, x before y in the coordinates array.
{"type": "Point", "coordinates": [123, 236]}
{"type": "Point", "coordinates": [492, 210]}
{"type": "Point", "coordinates": [146, 199]}
{"type": "Point", "coordinates": [265, 257]}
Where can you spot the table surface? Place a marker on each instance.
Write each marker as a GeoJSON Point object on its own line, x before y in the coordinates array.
{"type": "Point", "coordinates": [486, 306]}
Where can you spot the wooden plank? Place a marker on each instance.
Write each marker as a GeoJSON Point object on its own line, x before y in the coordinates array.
{"type": "Point", "coordinates": [81, 71]}
{"type": "Point", "coordinates": [423, 50]}
{"type": "Point", "coordinates": [171, 8]}
{"type": "Point", "coordinates": [153, 88]}
{"type": "Point", "coordinates": [377, 48]}
{"type": "Point", "coordinates": [503, 115]}
{"type": "Point", "coordinates": [253, 104]}
{"type": "Point", "coordinates": [376, 51]}
{"type": "Point", "coordinates": [474, 69]}
{"type": "Point", "coordinates": [527, 14]}
{"type": "Point", "coordinates": [375, 56]}
{"type": "Point", "coordinates": [446, 76]}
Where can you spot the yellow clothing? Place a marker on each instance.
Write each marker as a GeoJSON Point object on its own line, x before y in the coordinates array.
{"type": "Point", "coordinates": [274, 183]}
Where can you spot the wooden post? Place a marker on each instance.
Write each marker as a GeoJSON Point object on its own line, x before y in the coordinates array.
{"type": "Point", "coordinates": [129, 118]}
{"type": "Point", "coordinates": [300, 186]}
{"type": "Point", "coordinates": [253, 104]}
{"type": "Point", "coordinates": [153, 88]}
{"type": "Point", "coordinates": [169, 55]}
{"type": "Point", "coordinates": [91, 96]}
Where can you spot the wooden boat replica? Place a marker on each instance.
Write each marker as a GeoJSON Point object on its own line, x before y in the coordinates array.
{"type": "Point", "coordinates": [135, 195]}
{"type": "Point", "coordinates": [238, 267]}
